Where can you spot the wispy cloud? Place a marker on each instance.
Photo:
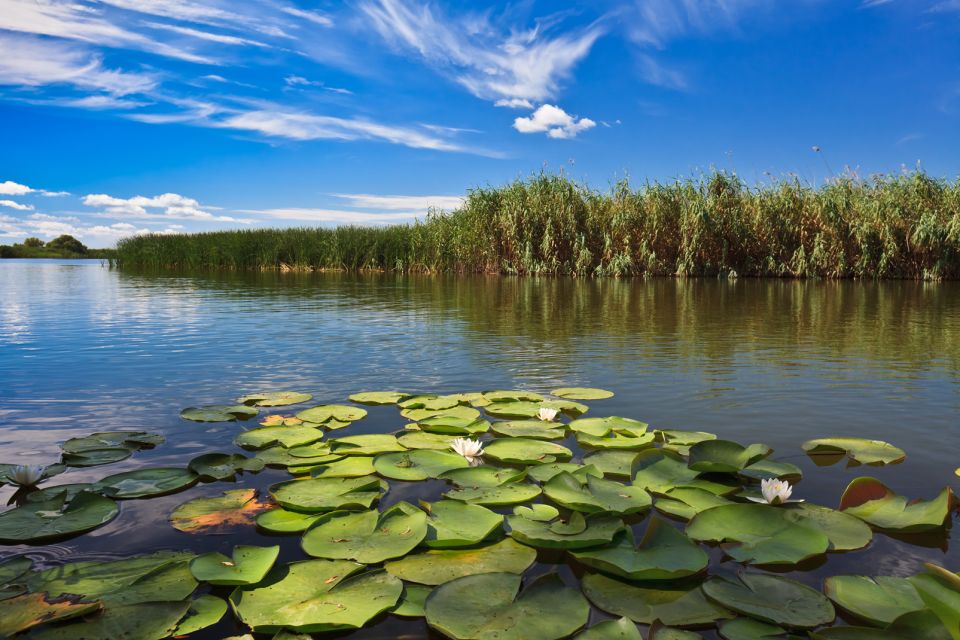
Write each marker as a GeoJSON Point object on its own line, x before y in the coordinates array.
{"type": "Point", "coordinates": [404, 203]}
{"type": "Point", "coordinates": [553, 121]}
{"type": "Point", "coordinates": [311, 16]}
{"type": "Point", "coordinates": [167, 205]}
{"type": "Point", "coordinates": [333, 216]}
{"type": "Point", "coordinates": [10, 204]}
{"type": "Point", "coordinates": [11, 188]}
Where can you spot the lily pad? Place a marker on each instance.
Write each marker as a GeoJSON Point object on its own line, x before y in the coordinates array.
{"type": "Point", "coordinates": [724, 456]}
{"type": "Point", "coordinates": [879, 600]}
{"type": "Point", "coordinates": [581, 393]}
{"type": "Point", "coordinates": [526, 451]}
{"type": "Point", "coordinates": [234, 508]}
{"type": "Point", "coordinates": [218, 413]}
{"type": "Point", "coordinates": [596, 495]}
{"type": "Point", "coordinates": [524, 409]}
{"type": "Point", "coordinates": [505, 494]}
{"type": "Point", "coordinates": [378, 397]}
{"type": "Point", "coordinates": [658, 471]}
{"type": "Point", "coordinates": [146, 483]}
{"type": "Point", "coordinates": [595, 529]}
{"type": "Point", "coordinates": [417, 465]}
{"type": "Point", "coordinates": [686, 502]}
{"type": "Point", "coordinates": [416, 439]}
{"type": "Point", "coordinates": [223, 466]}
{"type": "Point", "coordinates": [96, 457]}
{"type": "Point", "coordinates": [204, 612]}
{"type": "Point", "coordinates": [916, 625]}
{"type": "Point", "coordinates": [763, 469]}
{"type": "Point", "coordinates": [483, 476]}
{"type": "Point", "coordinates": [27, 611]}
{"type": "Point", "coordinates": [144, 621]}
{"type": "Point", "coordinates": [351, 467]}
{"type": "Point", "coordinates": [412, 601]}
{"type": "Point", "coordinates": [872, 452]}
{"type": "Point", "coordinates": [249, 565]}
{"type": "Point", "coordinates": [465, 414]}
{"type": "Point", "coordinates": [453, 425]}
{"type": "Point", "coordinates": [617, 440]}
{"type": "Point", "coordinates": [536, 429]}
{"type": "Point", "coordinates": [327, 412]}
{"type": "Point", "coordinates": [515, 395]}
{"type": "Point", "coordinates": [56, 517]}
{"type": "Point", "coordinates": [431, 402]}
{"type": "Point", "coordinates": [369, 444]}
{"type": "Point", "coordinates": [111, 439]}
{"type": "Point", "coordinates": [282, 521]}
{"type": "Point", "coordinates": [11, 571]}
{"type": "Point", "coordinates": [772, 599]}
{"type": "Point", "coordinates": [663, 554]}
{"type": "Point", "coordinates": [284, 436]}
{"type": "Point", "coordinates": [875, 503]}
{"type": "Point", "coordinates": [274, 398]}
{"type": "Point", "coordinates": [368, 537]}
{"type": "Point", "coordinates": [438, 566]}
{"type": "Point", "coordinates": [323, 494]}
{"type": "Point", "coordinates": [611, 462]}
{"type": "Point", "coordinates": [673, 605]}
{"type": "Point", "coordinates": [316, 453]}
{"type": "Point", "coordinates": [491, 605]}
{"type": "Point", "coordinates": [750, 629]}
{"type": "Point", "coordinates": [621, 629]}
{"type": "Point", "coordinates": [544, 472]}
{"type": "Point", "coordinates": [315, 596]}
{"type": "Point", "coordinates": [452, 523]}
{"type": "Point", "coordinates": [940, 592]}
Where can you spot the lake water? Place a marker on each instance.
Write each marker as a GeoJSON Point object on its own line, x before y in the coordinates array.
{"type": "Point", "coordinates": [84, 348]}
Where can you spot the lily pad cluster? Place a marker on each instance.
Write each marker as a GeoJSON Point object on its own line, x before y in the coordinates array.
{"type": "Point", "coordinates": [672, 530]}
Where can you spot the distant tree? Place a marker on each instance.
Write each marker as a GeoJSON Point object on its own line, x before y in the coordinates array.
{"type": "Point", "coordinates": [33, 242]}
{"type": "Point", "coordinates": [67, 243]}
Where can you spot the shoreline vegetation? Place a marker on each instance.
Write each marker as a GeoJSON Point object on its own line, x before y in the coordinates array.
{"type": "Point", "coordinates": [904, 226]}
{"type": "Point", "coordinates": [64, 247]}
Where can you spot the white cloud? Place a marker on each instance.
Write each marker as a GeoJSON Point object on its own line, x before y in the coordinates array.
{"type": "Point", "coordinates": [167, 205]}
{"type": "Point", "coordinates": [10, 188]}
{"type": "Point", "coordinates": [293, 81]}
{"type": "Point", "coordinates": [657, 21]}
{"type": "Point", "coordinates": [491, 64]}
{"type": "Point", "coordinates": [334, 216]}
{"type": "Point", "coordinates": [657, 74]}
{"type": "Point", "coordinates": [553, 121]}
{"type": "Point", "coordinates": [48, 227]}
{"type": "Point", "coordinates": [514, 103]}
{"type": "Point", "coordinates": [310, 16]}
{"type": "Point", "coordinates": [405, 203]}
{"type": "Point", "coordinates": [219, 38]}
{"type": "Point", "coordinates": [16, 205]}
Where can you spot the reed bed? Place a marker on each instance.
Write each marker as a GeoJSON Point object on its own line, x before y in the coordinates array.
{"type": "Point", "coordinates": [903, 226]}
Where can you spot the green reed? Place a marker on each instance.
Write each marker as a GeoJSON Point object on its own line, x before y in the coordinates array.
{"type": "Point", "coordinates": [897, 226]}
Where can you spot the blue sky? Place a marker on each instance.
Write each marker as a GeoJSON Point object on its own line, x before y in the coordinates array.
{"type": "Point", "coordinates": [129, 116]}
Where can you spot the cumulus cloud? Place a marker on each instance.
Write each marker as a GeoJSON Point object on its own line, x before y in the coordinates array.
{"type": "Point", "coordinates": [167, 205]}
{"type": "Point", "coordinates": [48, 227]}
{"type": "Point", "coordinates": [553, 121]}
{"type": "Point", "coordinates": [16, 205]}
{"type": "Point", "coordinates": [10, 188]}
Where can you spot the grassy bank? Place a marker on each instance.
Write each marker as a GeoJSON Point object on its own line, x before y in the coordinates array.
{"type": "Point", "coordinates": [903, 226]}
{"type": "Point", "coordinates": [21, 251]}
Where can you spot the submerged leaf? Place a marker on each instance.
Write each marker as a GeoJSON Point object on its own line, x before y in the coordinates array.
{"type": "Point", "coordinates": [27, 611]}
{"type": "Point", "coordinates": [234, 508]}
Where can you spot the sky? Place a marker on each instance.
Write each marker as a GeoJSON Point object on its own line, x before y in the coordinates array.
{"type": "Point", "coordinates": [120, 117]}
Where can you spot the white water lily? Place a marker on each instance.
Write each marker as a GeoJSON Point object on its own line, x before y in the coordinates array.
{"type": "Point", "coordinates": [547, 414]}
{"type": "Point", "coordinates": [775, 491]}
{"type": "Point", "coordinates": [469, 449]}
{"type": "Point", "coordinates": [26, 475]}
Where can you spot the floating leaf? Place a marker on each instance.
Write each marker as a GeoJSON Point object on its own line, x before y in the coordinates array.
{"type": "Point", "coordinates": [328, 412]}
{"type": "Point", "coordinates": [916, 625]}
{"type": "Point", "coordinates": [438, 566]}
{"type": "Point", "coordinates": [146, 621]}
{"type": "Point", "coordinates": [451, 523]}
{"type": "Point", "coordinates": [879, 600]}
{"type": "Point", "coordinates": [369, 444]}
{"type": "Point", "coordinates": [311, 453]}
{"type": "Point", "coordinates": [659, 632]}
{"type": "Point", "coordinates": [621, 629]}
{"type": "Point", "coordinates": [873, 502]}
{"type": "Point", "coordinates": [274, 398]}
{"type": "Point", "coordinates": [595, 529]}
{"type": "Point", "coordinates": [724, 456]}
{"type": "Point", "coordinates": [524, 409]}
{"type": "Point", "coordinates": [658, 471]}
{"type": "Point", "coordinates": [582, 393]}
{"type": "Point", "coordinates": [412, 601]}
{"type": "Point", "coordinates": [352, 467]}
{"type": "Point", "coordinates": [536, 429]}
{"type": "Point", "coordinates": [941, 594]}
{"type": "Point", "coordinates": [146, 483]}
{"type": "Point", "coordinates": [675, 438]}
{"type": "Point", "coordinates": [772, 599]}
{"type": "Point", "coordinates": [453, 425]}
{"type": "Point", "coordinates": [223, 466]}
{"type": "Point", "coordinates": [672, 605]}
{"type": "Point", "coordinates": [282, 521]}
{"type": "Point", "coordinates": [27, 611]}
{"type": "Point", "coordinates": [611, 462]}
{"type": "Point", "coordinates": [10, 571]}
{"type": "Point", "coordinates": [234, 508]}
{"type": "Point", "coordinates": [526, 451]}
{"type": "Point", "coordinates": [249, 565]}
{"type": "Point", "coordinates": [466, 414]}
{"type": "Point", "coordinates": [285, 421]}
{"type": "Point", "coordinates": [204, 612]}
{"type": "Point", "coordinates": [537, 511]}
{"type": "Point", "coordinates": [112, 439]}
{"type": "Point", "coordinates": [750, 629]}
{"type": "Point", "coordinates": [430, 402]}
{"type": "Point", "coordinates": [491, 605]}
{"type": "Point", "coordinates": [763, 469]}
{"type": "Point", "coordinates": [617, 440]}
{"type": "Point", "coordinates": [415, 439]}
{"type": "Point", "coordinates": [315, 596]}
{"type": "Point", "coordinates": [417, 465]}
{"type": "Point", "coordinates": [218, 413]}
{"type": "Point", "coordinates": [96, 457]}
{"type": "Point", "coordinates": [663, 554]}
{"type": "Point", "coordinates": [512, 396]}
{"type": "Point", "coordinates": [845, 532]}
{"type": "Point", "coordinates": [323, 494]}
{"type": "Point", "coordinates": [544, 472]}
{"type": "Point", "coordinates": [483, 476]}
{"type": "Point", "coordinates": [56, 517]}
{"type": "Point", "coordinates": [368, 537]}
{"type": "Point", "coordinates": [596, 495]}
{"type": "Point", "coordinates": [686, 502]}
{"type": "Point", "coordinates": [505, 494]}
{"type": "Point", "coordinates": [378, 397]}
{"type": "Point", "coordinates": [284, 436]}
{"type": "Point", "coordinates": [872, 452]}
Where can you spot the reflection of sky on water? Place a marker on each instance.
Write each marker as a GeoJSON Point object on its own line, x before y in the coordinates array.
{"type": "Point", "coordinates": [83, 348]}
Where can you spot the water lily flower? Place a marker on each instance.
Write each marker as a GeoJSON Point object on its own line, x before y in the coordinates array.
{"type": "Point", "coordinates": [472, 450]}
{"type": "Point", "coordinates": [26, 475]}
{"type": "Point", "coordinates": [775, 491]}
{"type": "Point", "coordinates": [547, 414]}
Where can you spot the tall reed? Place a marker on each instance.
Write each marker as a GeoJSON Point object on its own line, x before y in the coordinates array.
{"type": "Point", "coordinates": [897, 226]}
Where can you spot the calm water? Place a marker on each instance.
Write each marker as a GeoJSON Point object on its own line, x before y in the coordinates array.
{"type": "Point", "coordinates": [84, 348]}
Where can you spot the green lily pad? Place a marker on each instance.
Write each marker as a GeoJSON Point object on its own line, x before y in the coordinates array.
{"type": "Point", "coordinates": [351, 467]}
{"type": "Point", "coordinates": [595, 529]}
{"type": "Point", "coordinates": [660, 632]}
{"type": "Point", "coordinates": [676, 438]}
{"type": "Point", "coordinates": [368, 537]}
{"type": "Point", "coordinates": [249, 565]}
{"type": "Point", "coordinates": [327, 412]}
{"type": "Point", "coordinates": [772, 599]}
{"type": "Point", "coordinates": [536, 429]}
{"type": "Point", "coordinates": [378, 397]}
{"type": "Point", "coordinates": [671, 604]}
{"type": "Point", "coordinates": [940, 592]}
{"type": "Point", "coordinates": [56, 517]}
{"type": "Point", "coordinates": [146, 483]}
{"type": "Point", "coordinates": [218, 413]}
{"type": "Point", "coordinates": [416, 439]}
{"type": "Point", "coordinates": [505, 494]}
{"type": "Point", "coordinates": [96, 457]}
{"type": "Point", "coordinates": [27, 611]}
{"type": "Point", "coordinates": [724, 456]}
{"type": "Point", "coordinates": [452, 523]}
{"type": "Point", "coordinates": [874, 503]}
{"type": "Point", "coordinates": [523, 409]}
{"type": "Point", "coordinates": [112, 439]}
{"type": "Point", "coordinates": [274, 398]}
{"type": "Point", "coordinates": [750, 629]}
{"type": "Point", "coordinates": [916, 625]}
{"type": "Point", "coordinates": [417, 465]}
{"type": "Point", "coordinates": [515, 395]}
{"type": "Point", "coordinates": [431, 402]}
{"type": "Point", "coordinates": [686, 502]}
{"type": "Point", "coordinates": [611, 462]}
{"type": "Point", "coordinates": [223, 466]}
{"type": "Point", "coordinates": [596, 495]}
{"type": "Point", "coordinates": [544, 472]}
{"type": "Point", "coordinates": [620, 629]}
{"type": "Point", "coordinates": [581, 393]}
{"type": "Point", "coordinates": [284, 436]}
{"type": "Point", "coordinates": [323, 494]}
{"type": "Point", "coordinates": [465, 414]}
{"type": "Point", "coordinates": [315, 596]}
{"type": "Point", "coordinates": [617, 440]}
{"type": "Point", "coordinates": [369, 444]}
{"type": "Point", "coordinates": [526, 451]}
{"type": "Point", "coordinates": [11, 571]}
{"type": "Point", "coordinates": [845, 532]}
{"type": "Point", "coordinates": [599, 427]}
{"type": "Point", "coordinates": [438, 566]}
{"type": "Point", "coordinates": [453, 425]}
{"type": "Point", "coordinates": [537, 511]}
{"type": "Point", "coordinates": [234, 508]}
{"type": "Point", "coordinates": [279, 456]}
{"type": "Point", "coordinates": [282, 521]}
{"type": "Point", "coordinates": [316, 453]}
{"type": "Point", "coordinates": [872, 452]}
{"type": "Point", "coordinates": [658, 471]}
{"type": "Point", "coordinates": [412, 601]}
{"type": "Point", "coordinates": [483, 476]}
{"type": "Point", "coordinates": [663, 554]}
{"type": "Point", "coordinates": [204, 612]}
{"type": "Point", "coordinates": [879, 600]}
{"type": "Point", "coordinates": [763, 469]}
{"type": "Point", "coordinates": [491, 606]}
{"type": "Point", "coordinates": [144, 621]}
